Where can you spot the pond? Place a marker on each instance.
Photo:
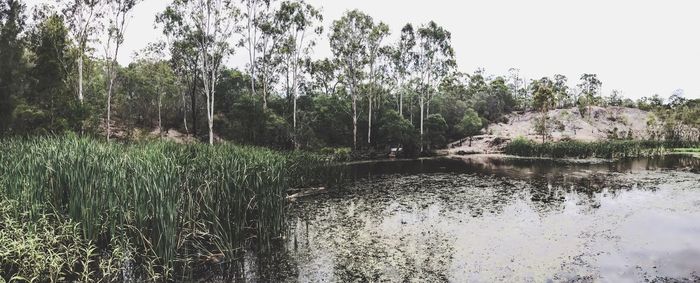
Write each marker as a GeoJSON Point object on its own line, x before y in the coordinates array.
{"type": "Point", "coordinates": [494, 219]}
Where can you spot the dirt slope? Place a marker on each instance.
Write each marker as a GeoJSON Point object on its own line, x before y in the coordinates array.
{"type": "Point", "coordinates": [562, 124]}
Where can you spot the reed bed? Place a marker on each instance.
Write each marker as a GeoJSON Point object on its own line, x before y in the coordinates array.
{"type": "Point", "coordinates": [604, 149]}
{"type": "Point", "coordinates": [162, 208]}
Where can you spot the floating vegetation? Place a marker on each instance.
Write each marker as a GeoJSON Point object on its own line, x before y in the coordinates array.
{"type": "Point", "coordinates": [186, 205]}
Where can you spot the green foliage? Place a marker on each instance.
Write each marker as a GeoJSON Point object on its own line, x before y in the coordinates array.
{"type": "Point", "coordinates": [176, 202]}
{"type": "Point", "coordinates": [577, 149]}
{"type": "Point", "coordinates": [11, 61]}
{"type": "Point", "coordinates": [45, 248]}
{"type": "Point", "coordinates": [436, 127]}
{"type": "Point", "coordinates": [470, 125]}
{"type": "Point", "coordinates": [395, 130]}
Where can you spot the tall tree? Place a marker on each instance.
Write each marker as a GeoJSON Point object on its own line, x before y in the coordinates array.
{"type": "Point", "coordinates": [349, 38]}
{"type": "Point", "coordinates": [213, 22]}
{"type": "Point", "coordinates": [184, 56]}
{"type": "Point", "coordinates": [374, 47]}
{"type": "Point", "coordinates": [515, 85]}
{"type": "Point", "coordinates": [404, 58]}
{"type": "Point", "coordinates": [590, 86]}
{"type": "Point", "coordinates": [12, 21]}
{"type": "Point", "coordinates": [83, 19]}
{"type": "Point", "coordinates": [47, 101]}
{"type": "Point", "coordinates": [301, 22]}
{"type": "Point", "coordinates": [254, 13]}
{"type": "Point", "coordinates": [435, 61]}
{"type": "Point", "coordinates": [119, 11]}
{"type": "Point", "coordinates": [544, 98]}
{"type": "Point", "coordinates": [561, 90]}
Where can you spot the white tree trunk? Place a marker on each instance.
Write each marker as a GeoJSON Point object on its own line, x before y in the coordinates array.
{"type": "Point", "coordinates": [109, 104]}
{"type": "Point", "coordinates": [421, 123]}
{"type": "Point", "coordinates": [369, 119]}
{"type": "Point", "coordinates": [184, 112]}
{"type": "Point", "coordinates": [354, 120]}
{"type": "Point", "coordinates": [80, 78]}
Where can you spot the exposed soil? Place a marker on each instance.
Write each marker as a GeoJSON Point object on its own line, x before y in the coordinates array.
{"type": "Point", "coordinates": [563, 124]}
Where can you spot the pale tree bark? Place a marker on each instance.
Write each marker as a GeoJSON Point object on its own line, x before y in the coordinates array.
{"type": "Point", "coordinates": [184, 111]}
{"type": "Point", "coordinates": [82, 18]}
{"type": "Point", "coordinates": [215, 20]}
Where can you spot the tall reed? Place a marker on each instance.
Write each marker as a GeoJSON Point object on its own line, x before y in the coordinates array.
{"type": "Point", "coordinates": [602, 149]}
{"type": "Point", "coordinates": [183, 203]}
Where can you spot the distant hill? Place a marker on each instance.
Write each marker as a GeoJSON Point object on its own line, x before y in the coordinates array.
{"type": "Point", "coordinates": [602, 124]}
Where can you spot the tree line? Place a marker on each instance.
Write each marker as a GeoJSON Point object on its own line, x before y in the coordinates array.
{"type": "Point", "coordinates": [58, 73]}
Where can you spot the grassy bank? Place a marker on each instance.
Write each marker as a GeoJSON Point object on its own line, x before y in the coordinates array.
{"type": "Point", "coordinates": [161, 209]}
{"type": "Point", "coordinates": [602, 149]}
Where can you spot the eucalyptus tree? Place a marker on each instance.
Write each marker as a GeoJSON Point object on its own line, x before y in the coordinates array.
{"type": "Point", "coordinates": [325, 75]}
{"type": "Point", "coordinates": [84, 22]}
{"type": "Point", "coordinates": [561, 90]}
{"type": "Point", "coordinates": [301, 22]}
{"type": "Point", "coordinates": [435, 60]}
{"type": "Point", "coordinates": [269, 44]}
{"type": "Point", "coordinates": [515, 83]}
{"type": "Point", "coordinates": [160, 76]}
{"type": "Point", "coordinates": [590, 86]}
{"type": "Point", "coordinates": [118, 13]}
{"type": "Point", "coordinates": [254, 14]}
{"type": "Point", "coordinates": [544, 97]}
{"type": "Point", "coordinates": [349, 38]}
{"type": "Point", "coordinates": [212, 23]}
{"type": "Point", "coordinates": [374, 47]}
{"type": "Point", "coordinates": [404, 59]}
{"type": "Point", "coordinates": [12, 21]}
{"type": "Point", "coordinates": [184, 56]}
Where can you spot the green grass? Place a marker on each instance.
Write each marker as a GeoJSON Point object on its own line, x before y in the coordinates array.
{"type": "Point", "coordinates": [604, 149]}
{"type": "Point", "coordinates": [168, 205]}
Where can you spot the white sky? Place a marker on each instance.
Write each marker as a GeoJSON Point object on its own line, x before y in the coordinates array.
{"type": "Point", "coordinates": [640, 47]}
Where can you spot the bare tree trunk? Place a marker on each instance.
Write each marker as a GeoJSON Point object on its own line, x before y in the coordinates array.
{"type": "Point", "coordinates": [421, 123]}
{"type": "Point", "coordinates": [401, 99]}
{"type": "Point", "coordinates": [160, 120]}
{"type": "Point", "coordinates": [80, 78]}
{"type": "Point", "coordinates": [354, 120]}
{"type": "Point", "coordinates": [109, 105]}
{"type": "Point", "coordinates": [184, 112]}
{"type": "Point", "coordinates": [194, 102]}
{"type": "Point", "coordinates": [369, 119]}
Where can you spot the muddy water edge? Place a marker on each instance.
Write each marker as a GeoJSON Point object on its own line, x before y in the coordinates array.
{"type": "Point", "coordinates": [496, 219]}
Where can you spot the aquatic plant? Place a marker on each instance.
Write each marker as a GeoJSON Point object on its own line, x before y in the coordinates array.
{"type": "Point", "coordinates": [184, 204]}
{"type": "Point", "coordinates": [602, 149]}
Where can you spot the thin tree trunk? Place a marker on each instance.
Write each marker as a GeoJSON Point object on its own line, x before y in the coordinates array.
{"type": "Point", "coordinates": [401, 100]}
{"type": "Point", "coordinates": [160, 120]}
{"type": "Point", "coordinates": [369, 119]}
{"type": "Point", "coordinates": [194, 102]}
{"type": "Point", "coordinates": [354, 121]}
{"type": "Point", "coordinates": [109, 104]}
{"type": "Point", "coordinates": [184, 112]}
{"type": "Point", "coordinates": [80, 78]}
{"type": "Point", "coordinates": [421, 123]}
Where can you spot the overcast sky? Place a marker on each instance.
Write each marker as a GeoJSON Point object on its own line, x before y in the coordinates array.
{"type": "Point", "coordinates": [639, 47]}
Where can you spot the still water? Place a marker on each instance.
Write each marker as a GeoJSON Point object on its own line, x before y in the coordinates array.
{"type": "Point", "coordinates": [493, 219]}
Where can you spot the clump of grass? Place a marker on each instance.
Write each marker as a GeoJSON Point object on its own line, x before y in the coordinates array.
{"type": "Point", "coordinates": [577, 149]}
{"type": "Point", "coordinates": [162, 207]}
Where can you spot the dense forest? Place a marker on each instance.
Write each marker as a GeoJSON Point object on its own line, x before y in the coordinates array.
{"type": "Point", "coordinates": [58, 73]}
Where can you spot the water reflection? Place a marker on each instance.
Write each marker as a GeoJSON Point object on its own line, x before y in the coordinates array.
{"type": "Point", "coordinates": [514, 220]}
